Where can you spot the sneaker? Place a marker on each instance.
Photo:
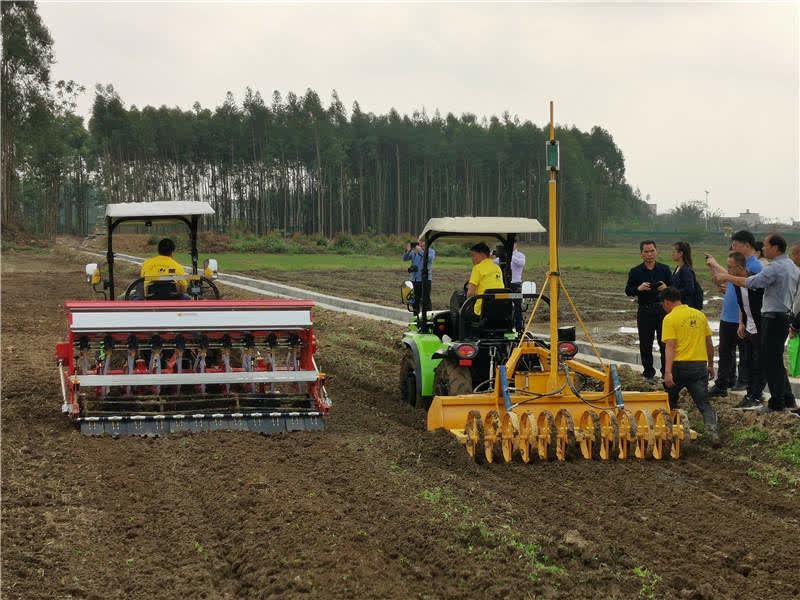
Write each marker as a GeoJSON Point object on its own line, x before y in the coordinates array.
{"type": "Point", "coordinates": [716, 392]}
{"type": "Point", "coordinates": [748, 403]}
{"type": "Point", "coordinates": [739, 387]}
{"type": "Point", "coordinates": [650, 380]}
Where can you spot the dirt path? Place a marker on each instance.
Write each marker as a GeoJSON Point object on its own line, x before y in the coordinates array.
{"type": "Point", "coordinates": [375, 507]}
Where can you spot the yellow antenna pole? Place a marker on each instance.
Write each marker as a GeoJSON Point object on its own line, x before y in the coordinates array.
{"type": "Point", "coordinates": [553, 159]}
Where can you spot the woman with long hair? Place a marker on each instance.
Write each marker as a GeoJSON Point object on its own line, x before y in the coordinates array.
{"type": "Point", "coordinates": [683, 277]}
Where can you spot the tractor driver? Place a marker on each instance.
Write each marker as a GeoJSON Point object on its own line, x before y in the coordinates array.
{"type": "Point", "coordinates": [485, 274]}
{"type": "Point", "coordinates": [164, 264]}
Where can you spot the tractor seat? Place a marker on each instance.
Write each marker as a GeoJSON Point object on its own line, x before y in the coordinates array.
{"type": "Point", "coordinates": [497, 316]}
{"type": "Point", "coordinates": [456, 301]}
{"type": "Point", "coordinates": [163, 290]}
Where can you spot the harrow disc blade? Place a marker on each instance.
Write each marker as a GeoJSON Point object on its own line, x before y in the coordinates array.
{"type": "Point", "coordinates": [565, 433]}
{"type": "Point", "coordinates": [609, 435]}
{"type": "Point", "coordinates": [627, 432]}
{"type": "Point", "coordinates": [681, 435]}
{"type": "Point", "coordinates": [473, 432]}
{"type": "Point", "coordinates": [491, 434]}
{"type": "Point", "coordinates": [591, 439]}
{"type": "Point", "coordinates": [546, 439]}
{"type": "Point", "coordinates": [528, 436]}
{"type": "Point", "coordinates": [662, 433]}
{"type": "Point", "coordinates": [509, 435]}
{"type": "Point", "coordinates": [645, 438]}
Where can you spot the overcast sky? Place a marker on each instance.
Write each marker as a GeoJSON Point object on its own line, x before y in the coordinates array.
{"type": "Point", "coordinates": [697, 96]}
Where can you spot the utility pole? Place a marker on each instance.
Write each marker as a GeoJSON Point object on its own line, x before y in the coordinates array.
{"type": "Point", "coordinates": [706, 210]}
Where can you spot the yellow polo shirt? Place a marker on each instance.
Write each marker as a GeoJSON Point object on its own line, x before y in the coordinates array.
{"type": "Point", "coordinates": [689, 328]}
{"type": "Point", "coordinates": [163, 265]}
{"type": "Point", "coordinates": [485, 276]}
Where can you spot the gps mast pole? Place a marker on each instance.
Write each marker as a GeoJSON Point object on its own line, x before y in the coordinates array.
{"type": "Point", "coordinates": [553, 160]}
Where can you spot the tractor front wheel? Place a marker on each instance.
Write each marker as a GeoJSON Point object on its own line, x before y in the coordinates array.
{"type": "Point", "coordinates": [450, 379]}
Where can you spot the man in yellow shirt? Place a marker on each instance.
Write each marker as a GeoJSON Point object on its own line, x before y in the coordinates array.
{"type": "Point", "coordinates": [164, 264]}
{"type": "Point", "coordinates": [485, 274]}
{"type": "Point", "coordinates": [689, 357]}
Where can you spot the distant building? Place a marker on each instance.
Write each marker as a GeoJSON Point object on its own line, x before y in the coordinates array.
{"type": "Point", "coordinates": [752, 219]}
{"type": "Point", "coordinates": [652, 208]}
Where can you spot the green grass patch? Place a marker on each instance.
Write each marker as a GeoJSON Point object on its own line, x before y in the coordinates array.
{"type": "Point", "coordinates": [751, 435]}
{"type": "Point", "coordinates": [789, 452]}
{"type": "Point", "coordinates": [649, 582]}
{"type": "Point", "coordinates": [615, 259]}
{"type": "Point", "coordinates": [316, 262]}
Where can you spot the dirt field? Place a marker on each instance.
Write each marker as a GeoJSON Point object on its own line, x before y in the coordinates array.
{"type": "Point", "coordinates": [374, 507]}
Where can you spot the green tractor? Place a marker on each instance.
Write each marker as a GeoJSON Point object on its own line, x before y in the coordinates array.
{"type": "Point", "coordinates": [454, 352]}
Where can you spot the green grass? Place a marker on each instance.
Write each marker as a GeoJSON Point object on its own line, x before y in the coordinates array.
{"type": "Point", "coordinates": [314, 262]}
{"type": "Point", "coordinates": [649, 582]}
{"type": "Point", "coordinates": [790, 451]}
{"type": "Point", "coordinates": [749, 436]}
{"type": "Point", "coordinates": [614, 259]}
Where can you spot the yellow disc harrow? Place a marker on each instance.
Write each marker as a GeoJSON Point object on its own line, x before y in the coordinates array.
{"type": "Point", "coordinates": [598, 435]}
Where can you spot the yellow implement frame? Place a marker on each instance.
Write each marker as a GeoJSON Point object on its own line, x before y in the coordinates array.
{"type": "Point", "coordinates": [542, 413]}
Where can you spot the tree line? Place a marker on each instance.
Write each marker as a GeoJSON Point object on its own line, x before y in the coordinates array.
{"type": "Point", "coordinates": [293, 164]}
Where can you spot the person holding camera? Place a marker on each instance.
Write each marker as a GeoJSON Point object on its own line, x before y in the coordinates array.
{"type": "Point", "coordinates": [645, 281]}
{"type": "Point", "coordinates": [415, 252]}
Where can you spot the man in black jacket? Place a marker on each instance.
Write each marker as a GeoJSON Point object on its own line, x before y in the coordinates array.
{"type": "Point", "coordinates": [645, 281]}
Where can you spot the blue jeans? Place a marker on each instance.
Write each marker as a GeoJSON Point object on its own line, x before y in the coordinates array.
{"type": "Point", "coordinates": [693, 375]}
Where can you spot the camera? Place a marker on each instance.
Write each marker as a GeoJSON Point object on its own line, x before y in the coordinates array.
{"type": "Point", "coordinates": [414, 244]}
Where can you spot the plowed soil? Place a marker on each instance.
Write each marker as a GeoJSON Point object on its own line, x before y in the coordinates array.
{"type": "Point", "coordinates": [374, 507]}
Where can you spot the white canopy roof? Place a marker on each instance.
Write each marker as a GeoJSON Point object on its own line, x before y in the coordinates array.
{"type": "Point", "coordinates": [151, 211]}
{"type": "Point", "coordinates": [480, 226]}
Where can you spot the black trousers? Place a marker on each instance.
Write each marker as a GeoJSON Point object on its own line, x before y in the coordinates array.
{"type": "Point", "coordinates": [774, 331]}
{"type": "Point", "coordinates": [648, 321]}
{"type": "Point", "coordinates": [750, 362]}
{"type": "Point", "coordinates": [422, 294]}
{"type": "Point", "coordinates": [517, 288]}
{"type": "Point", "coordinates": [745, 371]}
{"type": "Point", "coordinates": [693, 375]}
{"type": "Point", "coordinates": [726, 370]}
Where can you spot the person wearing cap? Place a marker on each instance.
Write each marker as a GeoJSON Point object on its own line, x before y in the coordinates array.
{"type": "Point", "coordinates": [485, 274]}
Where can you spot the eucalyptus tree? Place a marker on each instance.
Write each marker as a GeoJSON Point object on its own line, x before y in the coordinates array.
{"type": "Point", "coordinates": [27, 57]}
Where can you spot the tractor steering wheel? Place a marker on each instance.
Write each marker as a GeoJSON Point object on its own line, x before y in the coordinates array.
{"type": "Point", "coordinates": [196, 290]}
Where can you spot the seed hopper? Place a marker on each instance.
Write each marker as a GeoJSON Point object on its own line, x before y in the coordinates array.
{"type": "Point", "coordinates": [538, 402]}
{"type": "Point", "coordinates": [163, 363]}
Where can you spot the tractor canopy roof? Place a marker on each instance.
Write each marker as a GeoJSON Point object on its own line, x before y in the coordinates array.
{"type": "Point", "coordinates": [157, 211]}
{"type": "Point", "coordinates": [477, 228]}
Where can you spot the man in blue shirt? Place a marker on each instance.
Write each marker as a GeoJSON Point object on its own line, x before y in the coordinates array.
{"type": "Point", "coordinates": [415, 252]}
{"type": "Point", "coordinates": [744, 242]}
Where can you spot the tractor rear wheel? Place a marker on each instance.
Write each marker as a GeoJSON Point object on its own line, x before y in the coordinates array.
{"type": "Point", "coordinates": [450, 379]}
{"type": "Point", "coordinates": [408, 380]}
